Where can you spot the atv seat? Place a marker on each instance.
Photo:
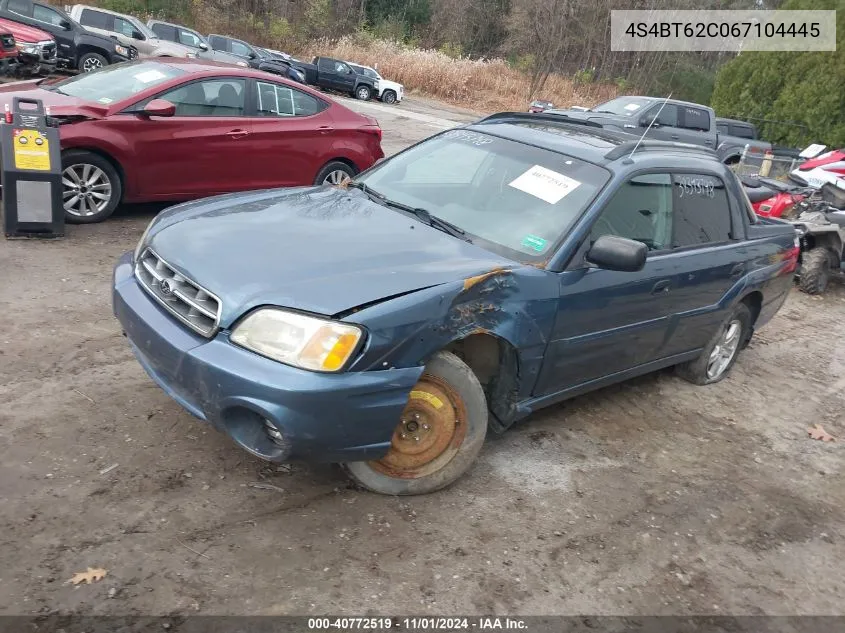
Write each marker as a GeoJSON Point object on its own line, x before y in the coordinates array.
{"type": "Point", "coordinates": [758, 194]}
{"type": "Point", "coordinates": [836, 217]}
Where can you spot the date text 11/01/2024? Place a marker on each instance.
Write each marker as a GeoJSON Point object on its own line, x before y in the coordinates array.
{"type": "Point", "coordinates": [412, 624]}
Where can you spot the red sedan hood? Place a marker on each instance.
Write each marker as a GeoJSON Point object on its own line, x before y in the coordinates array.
{"type": "Point", "coordinates": [24, 33]}
{"type": "Point", "coordinates": [59, 104]}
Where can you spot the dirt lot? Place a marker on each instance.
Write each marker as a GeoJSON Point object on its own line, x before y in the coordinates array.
{"type": "Point", "coordinates": [653, 497]}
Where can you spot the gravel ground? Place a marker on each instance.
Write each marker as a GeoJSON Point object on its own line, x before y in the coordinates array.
{"type": "Point", "coordinates": [652, 497]}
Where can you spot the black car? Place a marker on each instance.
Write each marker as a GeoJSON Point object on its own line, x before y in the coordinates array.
{"type": "Point", "coordinates": [256, 57]}
{"type": "Point", "coordinates": [78, 48]}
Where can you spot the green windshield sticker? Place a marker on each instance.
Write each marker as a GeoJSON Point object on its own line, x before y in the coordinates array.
{"type": "Point", "coordinates": [537, 243]}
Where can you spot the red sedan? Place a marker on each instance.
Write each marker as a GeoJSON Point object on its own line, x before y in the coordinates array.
{"type": "Point", "coordinates": [180, 129]}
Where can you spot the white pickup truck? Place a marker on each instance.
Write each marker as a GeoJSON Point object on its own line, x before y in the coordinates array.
{"type": "Point", "coordinates": [388, 91]}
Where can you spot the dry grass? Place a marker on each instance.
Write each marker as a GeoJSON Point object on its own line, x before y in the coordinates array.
{"type": "Point", "coordinates": [480, 85]}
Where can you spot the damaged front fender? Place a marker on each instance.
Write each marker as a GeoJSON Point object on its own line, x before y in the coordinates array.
{"type": "Point", "coordinates": [516, 306]}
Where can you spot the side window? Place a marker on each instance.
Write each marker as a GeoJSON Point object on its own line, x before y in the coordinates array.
{"type": "Point", "coordinates": [21, 7]}
{"type": "Point", "coordinates": [218, 97]}
{"type": "Point", "coordinates": [702, 212]}
{"type": "Point", "coordinates": [189, 39]}
{"type": "Point", "coordinates": [276, 100]}
{"type": "Point", "coordinates": [48, 16]}
{"type": "Point", "coordinates": [743, 131]}
{"type": "Point", "coordinates": [95, 19]}
{"type": "Point", "coordinates": [696, 119]}
{"type": "Point", "coordinates": [217, 43]}
{"type": "Point", "coordinates": [164, 31]}
{"type": "Point", "coordinates": [124, 27]}
{"type": "Point", "coordinates": [640, 210]}
{"type": "Point", "coordinates": [240, 49]}
{"type": "Point", "coordinates": [668, 115]}
{"type": "Point", "coordinates": [341, 69]}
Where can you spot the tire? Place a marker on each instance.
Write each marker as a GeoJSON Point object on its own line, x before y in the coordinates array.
{"type": "Point", "coordinates": [92, 61]}
{"type": "Point", "coordinates": [335, 173]}
{"type": "Point", "coordinates": [363, 93]}
{"type": "Point", "coordinates": [389, 97]}
{"type": "Point", "coordinates": [449, 410]}
{"type": "Point", "coordinates": [698, 371]}
{"type": "Point", "coordinates": [815, 270]}
{"type": "Point", "coordinates": [92, 176]}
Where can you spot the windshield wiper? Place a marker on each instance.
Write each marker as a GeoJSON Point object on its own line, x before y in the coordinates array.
{"type": "Point", "coordinates": [421, 214]}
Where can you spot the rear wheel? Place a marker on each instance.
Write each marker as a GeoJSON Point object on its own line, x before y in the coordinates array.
{"type": "Point", "coordinates": [721, 352]}
{"type": "Point", "coordinates": [363, 93]}
{"type": "Point", "coordinates": [92, 61]}
{"type": "Point", "coordinates": [438, 436]}
{"type": "Point", "coordinates": [335, 173]}
{"type": "Point", "coordinates": [91, 187]}
{"type": "Point", "coordinates": [815, 270]}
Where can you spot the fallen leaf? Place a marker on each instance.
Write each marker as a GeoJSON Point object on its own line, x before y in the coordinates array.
{"type": "Point", "coordinates": [818, 433]}
{"type": "Point", "coordinates": [92, 575]}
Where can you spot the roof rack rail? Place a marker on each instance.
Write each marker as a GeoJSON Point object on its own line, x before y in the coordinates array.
{"type": "Point", "coordinates": [629, 147]}
{"type": "Point", "coordinates": [537, 116]}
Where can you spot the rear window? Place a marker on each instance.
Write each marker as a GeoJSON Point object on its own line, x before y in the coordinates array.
{"type": "Point", "coordinates": [165, 32]}
{"type": "Point", "coordinates": [695, 118]}
{"type": "Point", "coordinates": [96, 19]}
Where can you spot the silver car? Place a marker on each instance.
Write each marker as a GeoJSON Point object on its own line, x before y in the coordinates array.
{"type": "Point", "coordinates": [129, 31]}
{"type": "Point", "coordinates": [193, 40]}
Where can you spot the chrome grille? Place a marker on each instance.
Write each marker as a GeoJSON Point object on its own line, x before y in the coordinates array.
{"type": "Point", "coordinates": [48, 51]}
{"type": "Point", "coordinates": [195, 306]}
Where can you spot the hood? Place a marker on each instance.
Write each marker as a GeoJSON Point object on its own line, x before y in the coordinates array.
{"type": "Point", "coordinates": [386, 83]}
{"type": "Point", "coordinates": [322, 250]}
{"type": "Point", "coordinates": [59, 104]}
{"type": "Point", "coordinates": [24, 33]}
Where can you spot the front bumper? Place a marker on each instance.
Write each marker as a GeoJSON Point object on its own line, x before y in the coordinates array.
{"type": "Point", "coordinates": [322, 417]}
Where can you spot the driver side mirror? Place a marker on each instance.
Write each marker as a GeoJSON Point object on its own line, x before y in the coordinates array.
{"type": "Point", "coordinates": [612, 252]}
{"type": "Point", "coordinates": [649, 120]}
{"type": "Point", "coordinates": [252, 55]}
{"type": "Point", "coordinates": [137, 35]}
{"type": "Point", "coordinates": [159, 107]}
{"type": "Point", "coordinates": [203, 47]}
{"type": "Point", "coordinates": [65, 24]}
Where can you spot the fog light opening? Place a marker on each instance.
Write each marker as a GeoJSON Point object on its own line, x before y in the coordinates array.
{"type": "Point", "coordinates": [274, 433]}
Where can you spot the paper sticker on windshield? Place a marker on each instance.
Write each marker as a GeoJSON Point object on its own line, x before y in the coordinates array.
{"type": "Point", "coordinates": [534, 242]}
{"type": "Point", "coordinates": [150, 75]}
{"type": "Point", "coordinates": [632, 106]}
{"type": "Point", "coordinates": [545, 184]}
{"type": "Point", "coordinates": [105, 100]}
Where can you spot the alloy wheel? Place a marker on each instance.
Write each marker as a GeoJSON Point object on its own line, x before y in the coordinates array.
{"type": "Point", "coordinates": [336, 177]}
{"type": "Point", "coordinates": [90, 64]}
{"type": "Point", "coordinates": [725, 350]}
{"type": "Point", "coordinates": [87, 190]}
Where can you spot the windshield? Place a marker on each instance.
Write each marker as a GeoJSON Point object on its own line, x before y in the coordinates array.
{"type": "Point", "coordinates": [623, 106]}
{"type": "Point", "coordinates": [513, 199]}
{"type": "Point", "coordinates": [116, 83]}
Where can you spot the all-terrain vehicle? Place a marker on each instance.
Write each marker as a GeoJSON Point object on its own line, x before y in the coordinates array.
{"type": "Point", "coordinates": [821, 229]}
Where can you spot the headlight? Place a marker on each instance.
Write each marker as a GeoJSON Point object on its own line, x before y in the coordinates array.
{"type": "Point", "coordinates": [244, 64]}
{"type": "Point", "coordinates": [298, 340]}
{"type": "Point", "coordinates": [142, 242]}
{"type": "Point", "coordinates": [299, 75]}
{"type": "Point", "coordinates": [121, 50]}
{"type": "Point", "coordinates": [32, 49]}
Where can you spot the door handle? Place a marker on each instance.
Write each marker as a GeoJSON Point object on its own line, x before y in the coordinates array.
{"type": "Point", "coordinates": [662, 287]}
{"type": "Point", "coordinates": [325, 129]}
{"type": "Point", "coordinates": [737, 271]}
{"type": "Point", "coordinates": [236, 134]}
{"type": "Point", "coordinates": [675, 137]}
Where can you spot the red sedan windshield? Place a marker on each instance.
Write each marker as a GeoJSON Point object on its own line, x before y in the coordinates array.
{"type": "Point", "coordinates": [116, 83]}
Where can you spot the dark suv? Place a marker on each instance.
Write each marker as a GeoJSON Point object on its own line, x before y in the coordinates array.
{"type": "Point", "coordinates": [78, 48]}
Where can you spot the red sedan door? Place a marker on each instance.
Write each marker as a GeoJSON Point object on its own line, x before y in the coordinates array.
{"type": "Point", "coordinates": [291, 135]}
{"type": "Point", "coordinates": [203, 150]}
